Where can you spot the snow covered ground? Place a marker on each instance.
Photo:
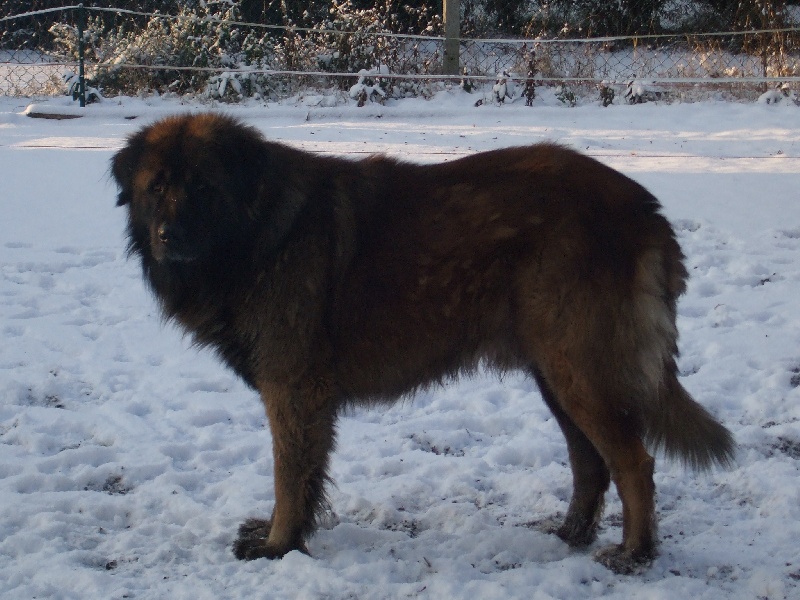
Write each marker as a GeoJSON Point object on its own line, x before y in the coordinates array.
{"type": "Point", "coordinates": [128, 459]}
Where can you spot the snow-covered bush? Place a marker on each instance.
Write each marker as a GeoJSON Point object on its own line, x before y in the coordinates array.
{"type": "Point", "coordinates": [370, 87]}
{"type": "Point", "coordinates": [566, 96]}
{"type": "Point", "coordinates": [504, 88]}
{"type": "Point", "coordinates": [639, 92]}
{"type": "Point", "coordinates": [206, 48]}
{"type": "Point", "coordinates": [203, 37]}
{"type": "Point", "coordinates": [782, 94]}
{"type": "Point", "coordinates": [350, 39]}
{"type": "Point", "coordinates": [353, 39]}
{"type": "Point", "coordinates": [607, 93]}
{"type": "Point", "coordinates": [72, 88]}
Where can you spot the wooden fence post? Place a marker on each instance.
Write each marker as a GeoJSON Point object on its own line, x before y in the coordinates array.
{"type": "Point", "coordinates": [452, 35]}
{"type": "Point", "coordinates": [81, 74]}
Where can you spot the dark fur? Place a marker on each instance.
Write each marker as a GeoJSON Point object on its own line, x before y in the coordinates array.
{"type": "Point", "coordinates": [325, 282]}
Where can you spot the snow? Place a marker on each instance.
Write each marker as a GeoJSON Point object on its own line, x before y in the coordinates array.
{"type": "Point", "coordinates": [128, 459]}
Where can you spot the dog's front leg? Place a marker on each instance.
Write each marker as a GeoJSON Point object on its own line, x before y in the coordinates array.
{"type": "Point", "coordinates": [302, 419]}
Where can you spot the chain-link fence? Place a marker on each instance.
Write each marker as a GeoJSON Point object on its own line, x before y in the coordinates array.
{"type": "Point", "coordinates": [215, 55]}
{"type": "Point", "coordinates": [676, 65]}
{"type": "Point", "coordinates": [30, 65]}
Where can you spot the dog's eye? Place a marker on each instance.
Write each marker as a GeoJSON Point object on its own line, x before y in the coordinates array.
{"type": "Point", "coordinates": [158, 189]}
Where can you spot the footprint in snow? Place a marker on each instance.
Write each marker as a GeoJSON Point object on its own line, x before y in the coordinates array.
{"type": "Point", "coordinates": [13, 331]}
{"type": "Point", "coordinates": [17, 245]}
{"type": "Point", "coordinates": [687, 225]}
{"type": "Point", "coordinates": [792, 234]}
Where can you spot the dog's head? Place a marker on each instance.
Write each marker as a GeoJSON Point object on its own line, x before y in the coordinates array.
{"type": "Point", "coordinates": [189, 184]}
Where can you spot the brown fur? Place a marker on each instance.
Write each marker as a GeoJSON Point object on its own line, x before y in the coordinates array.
{"type": "Point", "coordinates": [326, 282]}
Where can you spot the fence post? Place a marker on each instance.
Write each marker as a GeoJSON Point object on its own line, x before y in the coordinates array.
{"type": "Point", "coordinates": [452, 35]}
{"type": "Point", "coordinates": [81, 78]}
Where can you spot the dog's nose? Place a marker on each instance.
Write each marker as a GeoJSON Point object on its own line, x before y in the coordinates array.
{"type": "Point", "coordinates": [164, 232]}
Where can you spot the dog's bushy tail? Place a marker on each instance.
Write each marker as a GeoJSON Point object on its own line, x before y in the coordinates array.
{"type": "Point", "coordinates": [673, 422]}
{"type": "Point", "coordinates": [684, 430]}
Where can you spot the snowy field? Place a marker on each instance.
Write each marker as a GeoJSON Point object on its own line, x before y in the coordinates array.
{"type": "Point", "coordinates": [128, 459]}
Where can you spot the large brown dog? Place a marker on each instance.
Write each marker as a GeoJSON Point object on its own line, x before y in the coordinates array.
{"type": "Point", "coordinates": [325, 282]}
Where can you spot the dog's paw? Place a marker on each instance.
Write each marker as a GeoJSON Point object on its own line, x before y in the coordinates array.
{"type": "Point", "coordinates": [577, 533]}
{"type": "Point", "coordinates": [255, 529]}
{"type": "Point", "coordinates": [253, 542]}
{"type": "Point", "coordinates": [622, 561]}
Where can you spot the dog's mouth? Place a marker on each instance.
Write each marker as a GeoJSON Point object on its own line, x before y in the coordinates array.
{"type": "Point", "coordinates": [162, 254]}
{"type": "Point", "coordinates": [169, 244]}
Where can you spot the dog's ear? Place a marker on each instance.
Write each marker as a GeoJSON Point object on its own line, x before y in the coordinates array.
{"type": "Point", "coordinates": [123, 198]}
{"type": "Point", "coordinates": [123, 167]}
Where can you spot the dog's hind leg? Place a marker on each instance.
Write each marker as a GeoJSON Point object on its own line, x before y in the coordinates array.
{"type": "Point", "coordinates": [615, 435]}
{"type": "Point", "coordinates": [632, 471]}
{"type": "Point", "coordinates": [631, 468]}
{"type": "Point", "coordinates": [302, 419]}
{"type": "Point", "coordinates": [590, 477]}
